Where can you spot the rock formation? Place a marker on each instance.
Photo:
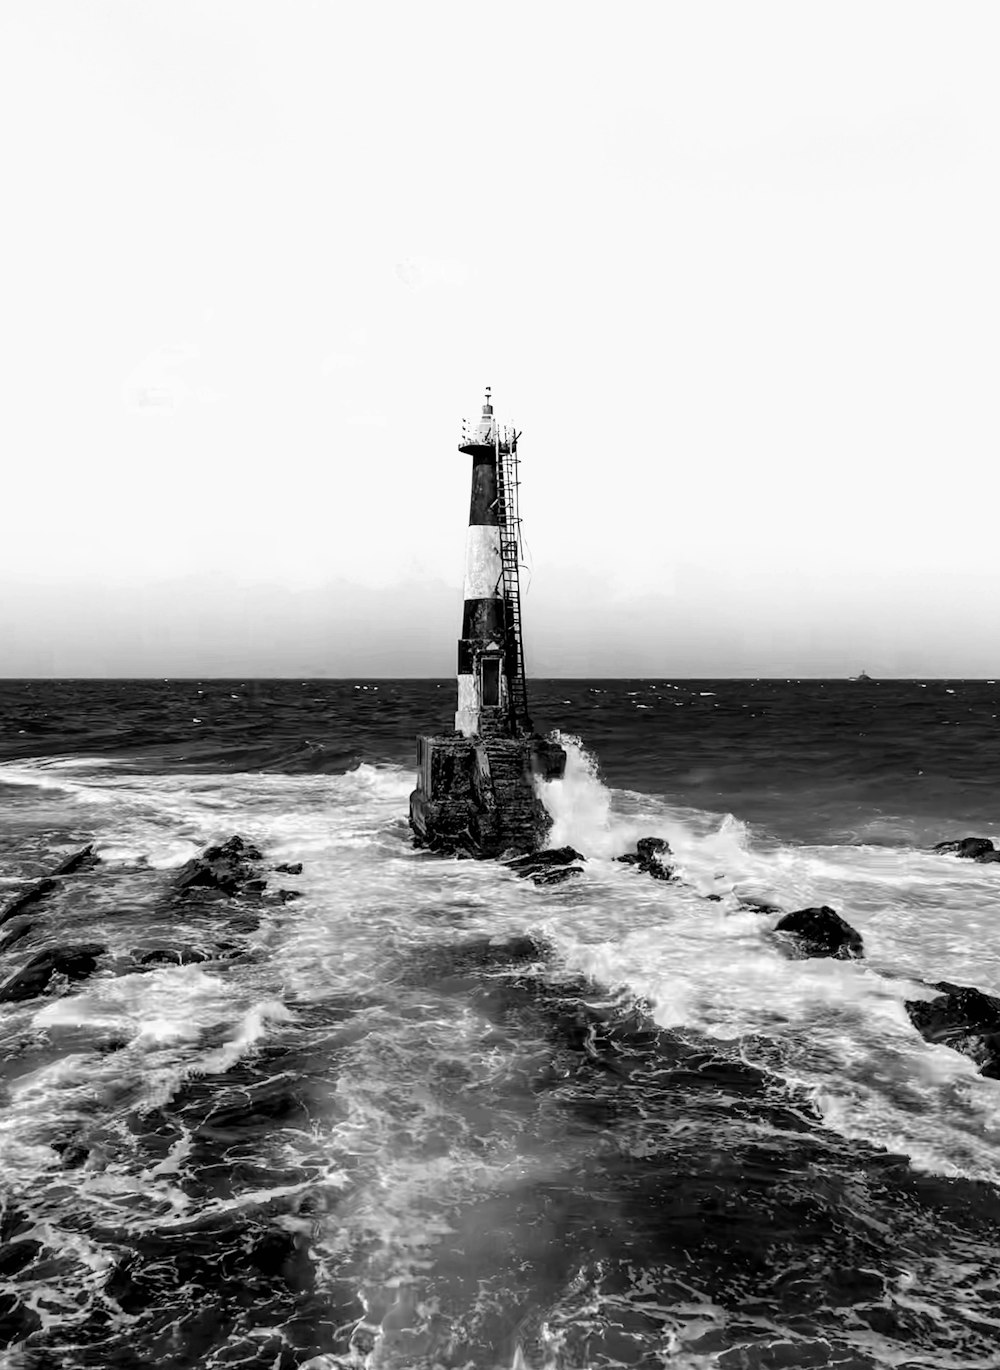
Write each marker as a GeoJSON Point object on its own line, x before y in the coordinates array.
{"type": "Point", "coordinates": [79, 860]}
{"type": "Point", "coordinates": [822, 932]}
{"type": "Point", "coordinates": [75, 961]}
{"type": "Point", "coordinates": [229, 869]}
{"type": "Point", "coordinates": [648, 857]}
{"type": "Point", "coordinates": [31, 896]}
{"type": "Point", "coordinates": [549, 867]}
{"type": "Point", "coordinates": [962, 1018]}
{"type": "Point", "coordinates": [979, 849]}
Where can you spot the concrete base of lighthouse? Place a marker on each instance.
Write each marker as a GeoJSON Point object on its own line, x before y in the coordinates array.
{"type": "Point", "coordinates": [475, 795]}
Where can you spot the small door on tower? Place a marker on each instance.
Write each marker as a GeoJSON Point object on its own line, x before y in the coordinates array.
{"type": "Point", "coordinates": [489, 680]}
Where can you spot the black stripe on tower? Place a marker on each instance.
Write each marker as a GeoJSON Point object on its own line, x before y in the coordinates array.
{"type": "Point", "coordinates": [483, 620]}
{"type": "Point", "coordinates": [483, 508]}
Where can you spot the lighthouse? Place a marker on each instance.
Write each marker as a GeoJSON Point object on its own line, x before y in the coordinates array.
{"type": "Point", "coordinates": [475, 791]}
{"type": "Point", "coordinates": [491, 689]}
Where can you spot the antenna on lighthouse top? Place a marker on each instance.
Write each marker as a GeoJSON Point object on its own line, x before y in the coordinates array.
{"type": "Point", "coordinates": [488, 407]}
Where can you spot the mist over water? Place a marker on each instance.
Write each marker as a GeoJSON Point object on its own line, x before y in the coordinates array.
{"type": "Point", "coordinates": [429, 1114]}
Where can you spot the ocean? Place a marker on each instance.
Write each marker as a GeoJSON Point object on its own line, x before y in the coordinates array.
{"type": "Point", "coordinates": [426, 1114]}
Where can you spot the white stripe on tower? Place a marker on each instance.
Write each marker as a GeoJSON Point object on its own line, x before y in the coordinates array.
{"type": "Point", "coordinates": [483, 563]}
{"type": "Point", "coordinates": [468, 702]}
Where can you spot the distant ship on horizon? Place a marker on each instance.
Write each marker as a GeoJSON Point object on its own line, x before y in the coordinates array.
{"type": "Point", "coordinates": [862, 675]}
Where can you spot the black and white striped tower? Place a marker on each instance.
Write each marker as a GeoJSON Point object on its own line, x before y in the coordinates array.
{"type": "Point", "coordinates": [476, 787]}
{"type": "Point", "coordinates": [483, 691]}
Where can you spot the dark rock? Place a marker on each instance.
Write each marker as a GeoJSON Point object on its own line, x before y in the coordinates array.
{"type": "Point", "coordinates": [556, 875]}
{"type": "Point", "coordinates": [822, 932]}
{"type": "Point", "coordinates": [289, 868]}
{"type": "Point", "coordinates": [648, 857]}
{"type": "Point", "coordinates": [972, 848]}
{"type": "Point", "coordinates": [244, 923]}
{"type": "Point", "coordinates": [15, 935]}
{"type": "Point", "coordinates": [227, 869]}
{"type": "Point", "coordinates": [15, 1255]}
{"type": "Point", "coordinates": [986, 858]}
{"type": "Point", "coordinates": [174, 956]}
{"type": "Point", "coordinates": [41, 888]}
{"type": "Point", "coordinates": [78, 861]}
{"type": "Point", "coordinates": [73, 1153]}
{"type": "Point", "coordinates": [38, 891]}
{"type": "Point", "coordinates": [548, 867]}
{"type": "Point", "coordinates": [197, 874]}
{"type": "Point", "coordinates": [75, 962]}
{"type": "Point", "coordinates": [17, 1248]}
{"type": "Point", "coordinates": [649, 847]}
{"type": "Point", "coordinates": [236, 846]}
{"type": "Point", "coordinates": [981, 1006]}
{"type": "Point", "coordinates": [962, 1018]}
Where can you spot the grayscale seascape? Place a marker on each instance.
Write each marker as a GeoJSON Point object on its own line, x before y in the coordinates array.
{"type": "Point", "coordinates": [499, 721]}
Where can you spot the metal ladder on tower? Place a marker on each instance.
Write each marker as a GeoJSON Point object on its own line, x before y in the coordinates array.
{"type": "Point", "coordinates": [510, 557]}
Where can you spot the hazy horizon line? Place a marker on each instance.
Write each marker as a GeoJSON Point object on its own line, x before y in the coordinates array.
{"type": "Point", "coordinates": [349, 679]}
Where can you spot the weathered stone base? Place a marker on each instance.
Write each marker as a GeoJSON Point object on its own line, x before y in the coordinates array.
{"type": "Point", "coordinates": [476, 795]}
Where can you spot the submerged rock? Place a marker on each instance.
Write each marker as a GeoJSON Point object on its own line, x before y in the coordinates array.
{"type": "Point", "coordinates": [31, 896]}
{"type": "Point", "coordinates": [648, 857]}
{"type": "Point", "coordinates": [482, 955]}
{"type": "Point", "coordinates": [42, 888]}
{"type": "Point", "coordinates": [244, 922]}
{"type": "Point", "coordinates": [79, 860]}
{"type": "Point", "coordinates": [556, 875]}
{"type": "Point", "coordinates": [657, 870]}
{"type": "Point", "coordinates": [289, 868]}
{"type": "Point", "coordinates": [971, 848]}
{"type": "Point", "coordinates": [964, 1019]}
{"type": "Point", "coordinates": [174, 956]}
{"type": "Point", "coordinates": [228, 869]}
{"type": "Point", "coordinates": [822, 932]}
{"type": "Point", "coordinates": [185, 955]}
{"type": "Point", "coordinates": [75, 962]}
{"type": "Point", "coordinates": [19, 1249]}
{"type": "Point", "coordinates": [15, 935]}
{"type": "Point", "coordinates": [551, 856]}
{"type": "Point", "coordinates": [549, 867]}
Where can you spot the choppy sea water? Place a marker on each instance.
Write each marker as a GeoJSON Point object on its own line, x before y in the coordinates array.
{"type": "Point", "coordinates": [431, 1115]}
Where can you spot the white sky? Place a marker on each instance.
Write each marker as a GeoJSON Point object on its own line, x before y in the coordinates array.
{"type": "Point", "coordinates": [732, 268]}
